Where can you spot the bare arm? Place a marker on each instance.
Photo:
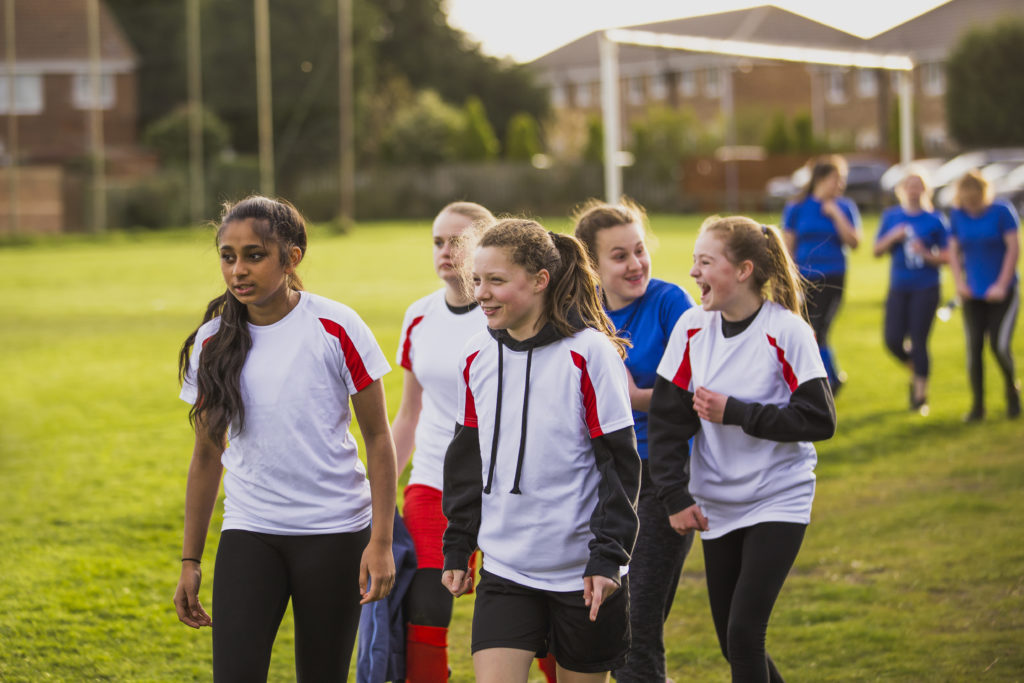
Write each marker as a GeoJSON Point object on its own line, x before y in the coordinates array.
{"type": "Point", "coordinates": [888, 240]}
{"type": "Point", "coordinates": [999, 289]}
{"type": "Point", "coordinates": [789, 237]}
{"type": "Point", "coordinates": [849, 234]}
{"type": "Point", "coordinates": [204, 475]}
{"type": "Point", "coordinates": [378, 562]}
{"type": "Point", "coordinates": [639, 399]}
{"type": "Point", "coordinates": [404, 427]}
{"type": "Point", "coordinates": [956, 268]}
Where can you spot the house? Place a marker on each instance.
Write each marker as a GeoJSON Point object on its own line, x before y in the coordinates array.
{"type": "Point", "coordinates": [849, 107]}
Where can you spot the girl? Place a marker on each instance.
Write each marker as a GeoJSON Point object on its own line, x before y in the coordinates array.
{"type": "Point", "coordinates": [269, 374]}
{"type": "Point", "coordinates": [984, 248]}
{"type": "Point", "coordinates": [644, 310]}
{"type": "Point", "coordinates": [543, 471]}
{"type": "Point", "coordinates": [915, 235]}
{"type": "Point", "coordinates": [434, 331]}
{"type": "Point", "coordinates": [742, 376]}
{"type": "Point", "coordinates": [818, 229]}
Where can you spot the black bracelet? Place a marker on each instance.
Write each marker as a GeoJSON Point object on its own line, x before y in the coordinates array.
{"type": "Point", "coordinates": [191, 559]}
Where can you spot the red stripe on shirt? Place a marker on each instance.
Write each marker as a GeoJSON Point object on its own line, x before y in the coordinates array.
{"type": "Point", "coordinates": [353, 361]}
{"type": "Point", "coordinates": [589, 398]}
{"type": "Point", "coordinates": [787, 369]}
{"type": "Point", "coordinates": [684, 374]}
{"type": "Point", "coordinates": [407, 346]}
{"type": "Point", "coordinates": [469, 414]}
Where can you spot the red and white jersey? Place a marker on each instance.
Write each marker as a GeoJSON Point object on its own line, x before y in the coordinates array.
{"type": "Point", "coordinates": [740, 480]}
{"type": "Point", "coordinates": [432, 339]}
{"type": "Point", "coordinates": [294, 467]}
{"type": "Point", "coordinates": [535, 521]}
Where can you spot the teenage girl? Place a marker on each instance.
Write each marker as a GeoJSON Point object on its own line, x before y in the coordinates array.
{"type": "Point", "coordinates": [434, 331]}
{"type": "Point", "coordinates": [643, 310]}
{"type": "Point", "coordinates": [542, 474]}
{"type": "Point", "coordinates": [915, 235]}
{"type": "Point", "coordinates": [984, 249]}
{"type": "Point", "coordinates": [270, 374]}
{"type": "Point", "coordinates": [818, 230]}
{"type": "Point", "coordinates": [743, 377]}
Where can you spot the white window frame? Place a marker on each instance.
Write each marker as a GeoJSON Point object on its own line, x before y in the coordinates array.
{"type": "Point", "coordinates": [713, 83]}
{"type": "Point", "coordinates": [28, 94]}
{"type": "Point", "coordinates": [933, 79]}
{"type": "Point", "coordinates": [867, 83]}
{"type": "Point", "coordinates": [559, 96]}
{"type": "Point", "coordinates": [687, 83]}
{"type": "Point", "coordinates": [81, 92]}
{"type": "Point", "coordinates": [584, 95]}
{"type": "Point", "coordinates": [635, 93]}
{"type": "Point", "coordinates": [835, 86]}
{"type": "Point", "coordinates": [659, 87]}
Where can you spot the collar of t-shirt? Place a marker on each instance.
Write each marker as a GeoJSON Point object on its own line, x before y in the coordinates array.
{"type": "Point", "coordinates": [461, 310]}
{"type": "Point", "coordinates": [731, 329]}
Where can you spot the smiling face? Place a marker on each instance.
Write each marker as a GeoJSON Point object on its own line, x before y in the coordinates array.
{"type": "Point", "coordinates": [447, 260]}
{"type": "Point", "coordinates": [723, 286]}
{"type": "Point", "coordinates": [252, 269]}
{"type": "Point", "coordinates": [623, 264]}
{"type": "Point", "coordinates": [510, 296]}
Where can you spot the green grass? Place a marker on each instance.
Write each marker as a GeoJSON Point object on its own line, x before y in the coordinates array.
{"type": "Point", "coordinates": [912, 570]}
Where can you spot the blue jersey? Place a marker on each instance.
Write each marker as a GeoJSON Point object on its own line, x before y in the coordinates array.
{"type": "Point", "coordinates": [647, 323]}
{"type": "Point", "coordinates": [982, 241]}
{"type": "Point", "coordinates": [819, 251]}
{"type": "Point", "coordinates": [928, 227]}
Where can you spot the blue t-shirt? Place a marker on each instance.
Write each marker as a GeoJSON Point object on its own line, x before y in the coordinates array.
{"type": "Point", "coordinates": [819, 251]}
{"type": "Point", "coordinates": [647, 323]}
{"type": "Point", "coordinates": [927, 226]}
{"type": "Point", "coordinates": [983, 243]}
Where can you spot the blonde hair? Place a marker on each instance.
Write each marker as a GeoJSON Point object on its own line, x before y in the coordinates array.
{"type": "Point", "coordinates": [471, 210]}
{"type": "Point", "coordinates": [973, 180]}
{"type": "Point", "coordinates": [775, 275]}
{"type": "Point", "coordinates": [926, 196]}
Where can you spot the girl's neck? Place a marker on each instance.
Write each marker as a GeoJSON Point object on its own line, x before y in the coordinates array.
{"type": "Point", "coordinates": [453, 296]}
{"type": "Point", "coordinates": [528, 329]}
{"type": "Point", "coordinates": [274, 309]}
{"type": "Point", "coordinates": [616, 302]}
{"type": "Point", "coordinates": [744, 306]}
{"type": "Point", "coordinates": [913, 207]}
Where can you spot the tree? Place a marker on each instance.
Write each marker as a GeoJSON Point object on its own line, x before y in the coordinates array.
{"type": "Point", "coordinates": [661, 140]}
{"type": "Point", "coordinates": [593, 151]}
{"type": "Point", "coordinates": [984, 89]}
{"type": "Point", "coordinates": [478, 141]}
{"type": "Point", "coordinates": [427, 131]}
{"type": "Point", "coordinates": [778, 139]}
{"type": "Point", "coordinates": [168, 136]}
{"type": "Point", "coordinates": [522, 139]}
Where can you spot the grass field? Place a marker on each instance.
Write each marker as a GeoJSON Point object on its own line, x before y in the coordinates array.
{"type": "Point", "coordinates": [912, 570]}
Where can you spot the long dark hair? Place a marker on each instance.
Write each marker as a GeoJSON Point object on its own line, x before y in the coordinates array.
{"type": "Point", "coordinates": [571, 297]}
{"type": "Point", "coordinates": [218, 377]}
{"type": "Point", "coordinates": [822, 168]}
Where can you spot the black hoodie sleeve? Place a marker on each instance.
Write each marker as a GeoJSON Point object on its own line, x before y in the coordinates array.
{"type": "Point", "coordinates": [671, 423]}
{"type": "Point", "coordinates": [614, 521]}
{"type": "Point", "coordinates": [810, 415]}
{"type": "Point", "coordinates": [460, 499]}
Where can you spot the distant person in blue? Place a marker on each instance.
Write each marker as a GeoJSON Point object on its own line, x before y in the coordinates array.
{"type": "Point", "coordinates": [984, 249]}
{"type": "Point", "coordinates": [914, 234]}
{"type": "Point", "coordinates": [644, 310]}
{"type": "Point", "coordinates": [818, 229]}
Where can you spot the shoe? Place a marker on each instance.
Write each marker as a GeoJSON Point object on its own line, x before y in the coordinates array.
{"type": "Point", "coordinates": [1013, 404]}
{"type": "Point", "coordinates": [976, 415]}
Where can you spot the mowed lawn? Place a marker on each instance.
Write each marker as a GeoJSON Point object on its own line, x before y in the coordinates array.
{"type": "Point", "coordinates": [912, 569]}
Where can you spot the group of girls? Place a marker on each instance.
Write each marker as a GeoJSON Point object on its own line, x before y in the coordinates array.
{"type": "Point", "coordinates": [551, 394]}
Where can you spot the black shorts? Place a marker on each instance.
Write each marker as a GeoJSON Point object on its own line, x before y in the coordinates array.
{"type": "Point", "coordinates": [508, 614]}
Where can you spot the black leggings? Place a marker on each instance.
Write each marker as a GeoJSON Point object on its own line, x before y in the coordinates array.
{"type": "Point", "coordinates": [255, 576]}
{"type": "Point", "coordinates": [996, 321]}
{"type": "Point", "coordinates": [824, 295]}
{"type": "Point", "coordinates": [745, 572]}
{"type": "Point", "coordinates": [428, 602]}
{"type": "Point", "coordinates": [909, 313]}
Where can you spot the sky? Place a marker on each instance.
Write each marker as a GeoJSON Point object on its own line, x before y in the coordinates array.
{"type": "Point", "coordinates": [526, 29]}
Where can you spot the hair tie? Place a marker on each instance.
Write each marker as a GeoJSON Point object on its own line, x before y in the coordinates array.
{"type": "Point", "coordinates": [554, 235]}
{"type": "Point", "coordinates": [764, 229]}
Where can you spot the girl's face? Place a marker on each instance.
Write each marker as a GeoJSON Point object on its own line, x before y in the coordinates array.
{"type": "Point", "coordinates": [721, 283]}
{"type": "Point", "coordinates": [448, 226]}
{"type": "Point", "coordinates": [829, 187]}
{"type": "Point", "coordinates": [913, 190]}
{"type": "Point", "coordinates": [623, 264]}
{"type": "Point", "coordinates": [972, 200]}
{"type": "Point", "coordinates": [511, 298]}
{"type": "Point", "coordinates": [252, 270]}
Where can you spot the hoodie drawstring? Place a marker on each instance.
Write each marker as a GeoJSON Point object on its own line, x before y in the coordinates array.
{"type": "Point", "coordinates": [522, 433]}
{"type": "Point", "coordinates": [497, 425]}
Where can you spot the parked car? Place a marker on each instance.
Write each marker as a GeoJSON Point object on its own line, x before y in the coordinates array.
{"type": "Point", "coordinates": [993, 173]}
{"type": "Point", "coordinates": [962, 163]}
{"type": "Point", "coordinates": [894, 173]}
{"type": "Point", "coordinates": [1011, 187]}
{"type": "Point", "coordinates": [862, 183]}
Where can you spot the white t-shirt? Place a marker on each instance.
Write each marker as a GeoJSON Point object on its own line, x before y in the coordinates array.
{"type": "Point", "coordinates": [432, 339]}
{"type": "Point", "coordinates": [737, 479]}
{"type": "Point", "coordinates": [294, 467]}
{"type": "Point", "coordinates": [578, 390]}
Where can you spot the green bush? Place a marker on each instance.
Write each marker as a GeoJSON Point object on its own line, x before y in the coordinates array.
{"type": "Point", "coordinates": [522, 140]}
{"type": "Point", "coordinates": [477, 141]}
{"type": "Point", "coordinates": [426, 131]}
{"type": "Point", "coordinates": [169, 137]}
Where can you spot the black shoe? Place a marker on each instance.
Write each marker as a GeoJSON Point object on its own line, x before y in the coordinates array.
{"type": "Point", "coordinates": [1013, 404]}
{"type": "Point", "coordinates": [976, 415]}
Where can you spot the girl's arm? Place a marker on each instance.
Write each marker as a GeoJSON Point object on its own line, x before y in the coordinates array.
{"type": "Point", "coordinates": [614, 521]}
{"type": "Point", "coordinates": [404, 427]}
{"type": "Point", "coordinates": [671, 424]}
{"type": "Point", "coordinates": [460, 502]}
{"type": "Point", "coordinates": [204, 474]}
{"type": "Point", "coordinates": [810, 414]}
{"type": "Point", "coordinates": [377, 567]}
{"type": "Point", "coordinates": [888, 240]}
{"type": "Point", "coordinates": [956, 268]}
{"type": "Point", "coordinates": [849, 233]}
{"type": "Point", "coordinates": [639, 399]}
{"type": "Point", "coordinates": [998, 290]}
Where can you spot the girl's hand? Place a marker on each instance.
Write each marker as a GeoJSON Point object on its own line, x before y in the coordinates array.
{"type": "Point", "coordinates": [690, 519]}
{"type": "Point", "coordinates": [186, 597]}
{"type": "Point", "coordinates": [709, 405]}
{"type": "Point", "coordinates": [376, 571]}
{"type": "Point", "coordinates": [995, 293]}
{"type": "Point", "coordinates": [457, 581]}
{"type": "Point", "coordinates": [964, 291]}
{"type": "Point", "coordinates": [597, 589]}
{"type": "Point", "coordinates": [830, 208]}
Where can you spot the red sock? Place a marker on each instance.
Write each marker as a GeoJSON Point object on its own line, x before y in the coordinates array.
{"type": "Point", "coordinates": [548, 667]}
{"type": "Point", "coordinates": [426, 654]}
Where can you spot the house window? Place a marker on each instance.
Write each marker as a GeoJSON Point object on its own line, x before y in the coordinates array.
{"type": "Point", "coordinates": [867, 83]}
{"type": "Point", "coordinates": [933, 79]}
{"type": "Point", "coordinates": [712, 83]}
{"type": "Point", "coordinates": [28, 95]}
{"type": "Point", "coordinates": [659, 87]}
{"type": "Point", "coordinates": [636, 90]}
{"type": "Point", "coordinates": [584, 95]}
{"type": "Point", "coordinates": [81, 92]}
{"type": "Point", "coordinates": [687, 83]}
{"type": "Point", "coordinates": [559, 97]}
{"type": "Point", "coordinates": [835, 86]}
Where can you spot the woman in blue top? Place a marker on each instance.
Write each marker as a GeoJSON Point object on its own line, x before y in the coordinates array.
{"type": "Point", "coordinates": [984, 248]}
{"type": "Point", "coordinates": [818, 228]}
{"type": "Point", "coordinates": [644, 310]}
{"type": "Point", "coordinates": [915, 235]}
